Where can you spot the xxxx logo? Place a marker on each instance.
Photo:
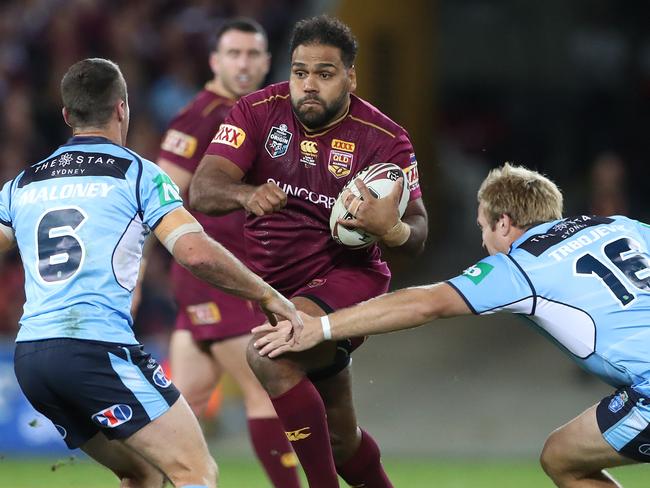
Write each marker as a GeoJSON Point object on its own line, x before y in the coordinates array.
{"type": "Point", "coordinates": [343, 145]}
{"type": "Point", "coordinates": [298, 435]}
{"type": "Point", "coordinates": [230, 136]}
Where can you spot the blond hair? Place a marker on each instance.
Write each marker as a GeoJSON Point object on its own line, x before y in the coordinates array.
{"type": "Point", "coordinates": [526, 196]}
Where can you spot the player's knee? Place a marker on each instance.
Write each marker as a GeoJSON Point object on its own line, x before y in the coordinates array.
{"type": "Point", "coordinates": [198, 402]}
{"type": "Point", "coordinates": [212, 471]}
{"type": "Point", "coordinates": [276, 375]}
{"type": "Point", "coordinates": [257, 363]}
{"type": "Point", "coordinates": [552, 458]}
{"type": "Point", "coordinates": [195, 471]}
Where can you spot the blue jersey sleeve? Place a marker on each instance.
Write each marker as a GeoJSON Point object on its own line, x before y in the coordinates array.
{"type": "Point", "coordinates": [644, 230]}
{"type": "Point", "coordinates": [159, 195]}
{"type": "Point", "coordinates": [494, 284]}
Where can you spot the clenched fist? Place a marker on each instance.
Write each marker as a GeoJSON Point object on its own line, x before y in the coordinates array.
{"type": "Point", "coordinates": [266, 199]}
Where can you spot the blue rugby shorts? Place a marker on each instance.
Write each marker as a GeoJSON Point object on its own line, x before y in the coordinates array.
{"type": "Point", "coordinates": [85, 387]}
{"type": "Point", "coordinates": [624, 420]}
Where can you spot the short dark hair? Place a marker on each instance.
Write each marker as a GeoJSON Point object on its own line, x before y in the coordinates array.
{"type": "Point", "coordinates": [243, 24]}
{"type": "Point", "coordinates": [89, 89]}
{"type": "Point", "coordinates": [328, 31]}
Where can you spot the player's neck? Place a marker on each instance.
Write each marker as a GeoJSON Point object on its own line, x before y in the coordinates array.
{"type": "Point", "coordinates": [111, 133]}
{"type": "Point", "coordinates": [215, 86]}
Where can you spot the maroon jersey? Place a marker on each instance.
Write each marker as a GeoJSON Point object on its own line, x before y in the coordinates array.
{"type": "Point", "coordinates": [185, 142]}
{"type": "Point", "coordinates": [208, 313]}
{"type": "Point", "coordinates": [264, 138]}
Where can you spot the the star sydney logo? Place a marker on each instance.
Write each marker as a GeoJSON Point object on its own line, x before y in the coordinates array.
{"type": "Point", "coordinates": [168, 192]}
{"type": "Point", "coordinates": [65, 159]}
{"type": "Point", "coordinates": [477, 272]}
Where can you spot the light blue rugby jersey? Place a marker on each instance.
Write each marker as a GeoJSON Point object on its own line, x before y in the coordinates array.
{"type": "Point", "coordinates": [585, 283]}
{"type": "Point", "coordinates": [80, 218]}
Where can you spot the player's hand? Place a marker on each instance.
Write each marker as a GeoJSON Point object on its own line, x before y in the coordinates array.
{"type": "Point", "coordinates": [265, 199]}
{"type": "Point", "coordinates": [274, 304]}
{"type": "Point", "coordinates": [276, 339]}
{"type": "Point", "coordinates": [372, 215]}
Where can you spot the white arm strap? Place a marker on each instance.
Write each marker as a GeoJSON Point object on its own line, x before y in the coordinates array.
{"type": "Point", "coordinates": [179, 231]}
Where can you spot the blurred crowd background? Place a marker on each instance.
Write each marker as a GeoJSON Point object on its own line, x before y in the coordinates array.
{"type": "Point", "coordinates": [560, 86]}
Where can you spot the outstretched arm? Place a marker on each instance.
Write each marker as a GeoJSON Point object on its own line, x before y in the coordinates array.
{"type": "Point", "coordinates": [209, 261]}
{"type": "Point", "coordinates": [399, 310]}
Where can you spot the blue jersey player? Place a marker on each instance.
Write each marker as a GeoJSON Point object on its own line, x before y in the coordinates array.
{"type": "Point", "coordinates": [80, 218]}
{"type": "Point", "coordinates": [583, 281]}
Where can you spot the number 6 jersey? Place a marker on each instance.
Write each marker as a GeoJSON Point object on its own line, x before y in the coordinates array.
{"type": "Point", "coordinates": [572, 278]}
{"type": "Point", "coordinates": [80, 218]}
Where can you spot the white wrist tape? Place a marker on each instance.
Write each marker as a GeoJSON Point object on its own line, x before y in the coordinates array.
{"type": "Point", "coordinates": [179, 231]}
{"type": "Point", "coordinates": [327, 329]}
{"type": "Point", "coordinates": [397, 235]}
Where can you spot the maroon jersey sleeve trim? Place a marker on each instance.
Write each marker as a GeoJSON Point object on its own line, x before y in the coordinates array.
{"type": "Point", "coordinates": [209, 108]}
{"type": "Point", "coordinates": [372, 125]}
{"type": "Point", "coordinates": [269, 99]}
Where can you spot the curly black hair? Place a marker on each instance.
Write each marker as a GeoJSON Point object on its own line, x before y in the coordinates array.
{"type": "Point", "coordinates": [325, 30]}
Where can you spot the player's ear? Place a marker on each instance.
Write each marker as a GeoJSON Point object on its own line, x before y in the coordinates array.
{"type": "Point", "coordinates": [352, 77]}
{"type": "Point", "coordinates": [121, 110]}
{"type": "Point", "coordinates": [66, 116]}
{"type": "Point", "coordinates": [504, 224]}
{"type": "Point", "coordinates": [214, 62]}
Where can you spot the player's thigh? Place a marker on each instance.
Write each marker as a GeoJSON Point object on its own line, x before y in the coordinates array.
{"type": "Point", "coordinates": [174, 443]}
{"type": "Point", "coordinates": [336, 392]}
{"type": "Point", "coordinates": [309, 306]}
{"type": "Point", "coordinates": [579, 446]}
{"type": "Point", "coordinates": [317, 357]}
{"type": "Point", "coordinates": [232, 356]}
{"type": "Point", "coordinates": [194, 370]}
{"type": "Point", "coordinates": [322, 355]}
{"type": "Point", "coordinates": [123, 461]}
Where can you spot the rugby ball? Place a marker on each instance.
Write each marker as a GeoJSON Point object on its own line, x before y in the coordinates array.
{"type": "Point", "coordinates": [380, 179]}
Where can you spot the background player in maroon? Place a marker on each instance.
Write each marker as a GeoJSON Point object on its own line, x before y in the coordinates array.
{"type": "Point", "coordinates": [213, 328]}
{"type": "Point", "coordinates": [283, 154]}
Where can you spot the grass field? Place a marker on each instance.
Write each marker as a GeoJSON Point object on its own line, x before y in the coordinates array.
{"type": "Point", "coordinates": [236, 473]}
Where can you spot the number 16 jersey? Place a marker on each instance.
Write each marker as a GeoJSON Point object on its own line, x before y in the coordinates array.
{"type": "Point", "coordinates": [80, 218]}
{"type": "Point", "coordinates": [585, 283]}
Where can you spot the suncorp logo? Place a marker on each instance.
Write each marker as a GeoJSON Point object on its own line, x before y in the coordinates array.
{"type": "Point", "coordinates": [306, 194]}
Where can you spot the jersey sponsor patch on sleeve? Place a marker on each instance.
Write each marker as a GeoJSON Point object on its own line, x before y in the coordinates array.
{"type": "Point", "coordinates": [204, 313]}
{"type": "Point", "coordinates": [179, 143]}
{"type": "Point", "coordinates": [412, 175]}
{"type": "Point", "coordinates": [229, 135]}
{"type": "Point", "coordinates": [168, 191]}
{"type": "Point", "coordinates": [478, 272]}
